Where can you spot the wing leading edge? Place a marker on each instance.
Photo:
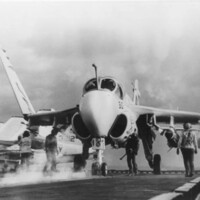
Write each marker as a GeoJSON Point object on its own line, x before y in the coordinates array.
{"type": "Point", "coordinates": [52, 118]}
{"type": "Point", "coordinates": [164, 115]}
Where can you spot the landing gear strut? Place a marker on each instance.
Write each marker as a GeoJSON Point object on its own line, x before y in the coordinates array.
{"type": "Point", "coordinates": [99, 167]}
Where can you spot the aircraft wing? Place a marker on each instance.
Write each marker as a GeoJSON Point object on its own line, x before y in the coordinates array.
{"type": "Point", "coordinates": [164, 115]}
{"type": "Point", "coordinates": [50, 118]}
{"type": "Point", "coordinates": [146, 115]}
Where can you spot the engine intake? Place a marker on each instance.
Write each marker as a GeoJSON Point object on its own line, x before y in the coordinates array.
{"type": "Point", "coordinates": [79, 127]}
{"type": "Point", "coordinates": [121, 128]}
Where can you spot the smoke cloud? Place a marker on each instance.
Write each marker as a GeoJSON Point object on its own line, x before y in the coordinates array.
{"type": "Point", "coordinates": [55, 44]}
{"type": "Point", "coordinates": [34, 174]}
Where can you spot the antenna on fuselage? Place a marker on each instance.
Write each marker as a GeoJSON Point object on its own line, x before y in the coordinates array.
{"type": "Point", "coordinates": [95, 67]}
{"type": "Point", "coordinates": [136, 93]}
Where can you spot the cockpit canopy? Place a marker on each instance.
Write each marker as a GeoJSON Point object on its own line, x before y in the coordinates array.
{"type": "Point", "coordinates": [104, 83]}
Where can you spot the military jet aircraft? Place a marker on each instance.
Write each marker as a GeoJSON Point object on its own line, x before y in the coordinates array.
{"type": "Point", "coordinates": [104, 115]}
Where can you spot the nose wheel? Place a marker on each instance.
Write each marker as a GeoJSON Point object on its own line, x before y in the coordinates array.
{"type": "Point", "coordinates": [95, 168]}
{"type": "Point", "coordinates": [99, 167]}
{"type": "Point", "coordinates": [104, 169]}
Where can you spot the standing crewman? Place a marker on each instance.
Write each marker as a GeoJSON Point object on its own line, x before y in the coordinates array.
{"type": "Point", "coordinates": [188, 145]}
{"type": "Point", "coordinates": [25, 148]}
{"type": "Point", "coordinates": [51, 150]}
{"type": "Point", "coordinates": [132, 147]}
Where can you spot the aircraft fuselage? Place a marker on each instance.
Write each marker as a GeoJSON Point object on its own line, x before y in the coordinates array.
{"type": "Point", "coordinates": [104, 112]}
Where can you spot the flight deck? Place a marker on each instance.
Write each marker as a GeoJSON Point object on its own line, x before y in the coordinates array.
{"type": "Point", "coordinates": [113, 187]}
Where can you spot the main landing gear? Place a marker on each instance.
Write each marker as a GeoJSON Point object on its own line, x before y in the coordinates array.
{"type": "Point", "coordinates": [157, 162]}
{"type": "Point", "coordinates": [99, 167]}
{"type": "Point", "coordinates": [79, 163]}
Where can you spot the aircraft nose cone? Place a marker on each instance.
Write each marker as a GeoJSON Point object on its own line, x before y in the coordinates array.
{"type": "Point", "coordinates": [98, 110]}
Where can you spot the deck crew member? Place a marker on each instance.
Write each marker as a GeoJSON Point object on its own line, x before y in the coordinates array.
{"type": "Point", "coordinates": [25, 148]}
{"type": "Point", "coordinates": [188, 145]}
{"type": "Point", "coordinates": [132, 147]}
{"type": "Point", "coordinates": [51, 150]}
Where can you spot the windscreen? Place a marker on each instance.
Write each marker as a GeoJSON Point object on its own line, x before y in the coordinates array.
{"type": "Point", "coordinates": [108, 84]}
{"type": "Point", "coordinates": [90, 85]}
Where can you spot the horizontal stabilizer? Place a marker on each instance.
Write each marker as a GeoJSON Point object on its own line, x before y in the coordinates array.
{"type": "Point", "coordinates": [11, 129]}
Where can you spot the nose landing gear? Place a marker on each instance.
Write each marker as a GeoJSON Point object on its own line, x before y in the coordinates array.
{"type": "Point", "coordinates": [99, 167]}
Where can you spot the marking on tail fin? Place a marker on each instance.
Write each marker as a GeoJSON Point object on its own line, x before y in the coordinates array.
{"type": "Point", "coordinates": [24, 98]}
{"type": "Point", "coordinates": [11, 67]}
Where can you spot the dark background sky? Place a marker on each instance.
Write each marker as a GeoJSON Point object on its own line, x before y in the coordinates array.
{"type": "Point", "coordinates": [52, 46]}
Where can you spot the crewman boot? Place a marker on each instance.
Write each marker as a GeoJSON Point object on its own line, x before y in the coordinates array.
{"type": "Point", "coordinates": [191, 175]}
{"type": "Point", "coordinates": [136, 172]}
{"type": "Point", "coordinates": [130, 172]}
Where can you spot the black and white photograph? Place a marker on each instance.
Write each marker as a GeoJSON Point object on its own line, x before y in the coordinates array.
{"type": "Point", "coordinates": [100, 100]}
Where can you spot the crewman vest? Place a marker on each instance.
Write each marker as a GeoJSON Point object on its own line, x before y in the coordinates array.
{"type": "Point", "coordinates": [188, 140]}
{"type": "Point", "coordinates": [25, 145]}
{"type": "Point", "coordinates": [51, 143]}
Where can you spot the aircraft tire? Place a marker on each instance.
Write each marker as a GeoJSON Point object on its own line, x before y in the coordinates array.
{"type": "Point", "coordinates": [95, 168]}
{"type": "Point", "coordinates": [104, 169]}
{"type": "Point", "coordinates": [79, 163]}
{"type": "Point", "coordinates": [157, 162]}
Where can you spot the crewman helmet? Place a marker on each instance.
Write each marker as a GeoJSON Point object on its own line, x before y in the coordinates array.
{"type": "Point", "coordinates": [187, 126]}
{"type": "Point", "coordinates": [26, 133]}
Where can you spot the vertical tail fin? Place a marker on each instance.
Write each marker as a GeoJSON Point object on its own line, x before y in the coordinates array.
{"type": "Point", "coordinates": [136, 93]}
{"type": "Point", "coordinates": [20, 94]}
